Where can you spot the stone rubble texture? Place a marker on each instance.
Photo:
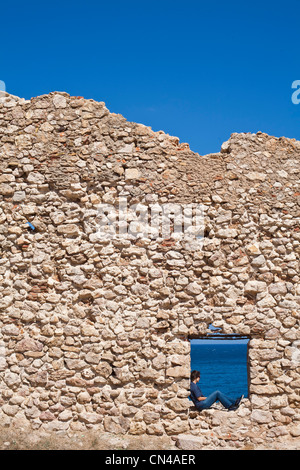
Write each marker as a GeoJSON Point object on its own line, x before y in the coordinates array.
{"type": "Point", "coordinates": [94, 334]}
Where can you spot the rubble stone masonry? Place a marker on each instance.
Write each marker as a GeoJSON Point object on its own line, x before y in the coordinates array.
{"type": "Point", "coordinates": [94, 332]}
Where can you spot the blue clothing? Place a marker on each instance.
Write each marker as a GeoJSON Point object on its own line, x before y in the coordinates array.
{"type": "Point", "coordinates": [210, 400]}
{"type": "Point", "coordinates": [195, 393]}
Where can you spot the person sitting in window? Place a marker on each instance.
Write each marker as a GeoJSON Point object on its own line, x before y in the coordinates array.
{"type": "Point", "coordinates": [202, 403]}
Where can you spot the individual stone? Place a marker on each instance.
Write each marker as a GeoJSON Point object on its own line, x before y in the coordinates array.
{"type": "Point", "coordinates": [190, 442]}
{"type": "Point", "coordinates": [273, 333]}
{"type": "Point", "coordinates": [19, 196]}
{"type": "Point", "coordinates": [90, 418]}
{"type": "Point", "coordinates": [253, 249]}
{"type": "Point", "coordinates": [225, 147]}
{"type": "Point", "coordinates": [278, 402]}
{"type": "Point", "coordinates": [127, 148]}
{"type": "Point", "coordinates": [227, 233]}
{"type": "Point", "coordinates": [57, 217]}
{"type": "Point", "coordinates": [70, 230]}
{"type": "Point", "coordinates": [83, 397]}
{"type": "Point", "coordinates": [132, 173]}
{"type": "Point", "coordinates": [104, 369]}
{"type": "Point", "coordinates": [147, 373]}
{"type": "Point", "coordinates": [116, 424]}
{"type": "Point", "coordinates": [278, 288]}
{"type": "Point", "coordinates": [256, 176]}
{"type": "Point", "coordinates": [65, 415]}
{"type": "Point", "coordinates": [258, 261]}
{"type": "Point", "coordinates": [46, 127]}
{"type": "Point", "coordinates": [268, 389]}
{"type": "Point", "coordinates": [11, 330]}
{"type": "Point", "coordinates": [253, 287]}
{"type": "Point", "coordinates": [6, 190]}
{"type": "Point", "coordinates": [55, 426]}
{"type": "Point", "coordinates": [6, 301]}
{"type": "Point", "coordinates": [35, 178]}
{"type": "Point", "coordinates": [47, 416]}
{"type": "Point", "coordinates": [29, 344]}
{"type": "Point", "coordinates": [23, 141]}
{"type": "Point", "coordinates": [89, 330]}
{"type": "Point", "coordinates": [10, 410]}
{"type": "Point", "coordinates": [11, 379]}
{"type": "Point", "coordinates": [176, 426]}
{"type": "Point", "coordinates": [224, 217]}
{"type": "Point", "coordinates": [267, 301]}
{"type": "Point", "coordinates": [39, 379]}
{"type": "Point", "coordinates": [179, 371]}
{"type": "Point", "coordinates": [295, 431]}
{"type": "Point", "coordinates": [59, 101]}
{"type": "Point", "coordinates": [261, 416]}
{"type": "Point", "coordinates": [194, 288]}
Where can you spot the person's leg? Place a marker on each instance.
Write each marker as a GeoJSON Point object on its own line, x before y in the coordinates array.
{"type": "Point", "coordinates": [212, 398]}
{"type": "Point", "coordinates": [226, 401]}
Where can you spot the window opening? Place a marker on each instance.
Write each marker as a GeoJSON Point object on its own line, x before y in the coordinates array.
{"type": "Point", "coordinates": [223, 363]}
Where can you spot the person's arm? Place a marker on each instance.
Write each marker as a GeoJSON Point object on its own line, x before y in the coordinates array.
{"type": "Point", "coordinates": [198, 393]}
{"type": "Point", "coordinates": [201, 397]}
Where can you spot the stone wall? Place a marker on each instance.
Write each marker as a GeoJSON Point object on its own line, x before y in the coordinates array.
{"type": "Point", "coordinates": [94, 333]}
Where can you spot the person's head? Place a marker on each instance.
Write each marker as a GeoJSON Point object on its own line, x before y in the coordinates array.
{"type": "Point", "coordinates": [195, 376]}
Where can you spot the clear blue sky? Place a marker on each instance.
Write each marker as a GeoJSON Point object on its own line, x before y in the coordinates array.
{"type": "Point", "coordinates": [196, 69]}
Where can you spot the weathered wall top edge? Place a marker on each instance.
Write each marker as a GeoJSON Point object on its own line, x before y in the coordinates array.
{"type": "Point", "coordinates": [235, 139]}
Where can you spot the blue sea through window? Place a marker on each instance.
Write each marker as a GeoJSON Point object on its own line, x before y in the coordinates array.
{"type": "Point", "coordinates": [223, 365]}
